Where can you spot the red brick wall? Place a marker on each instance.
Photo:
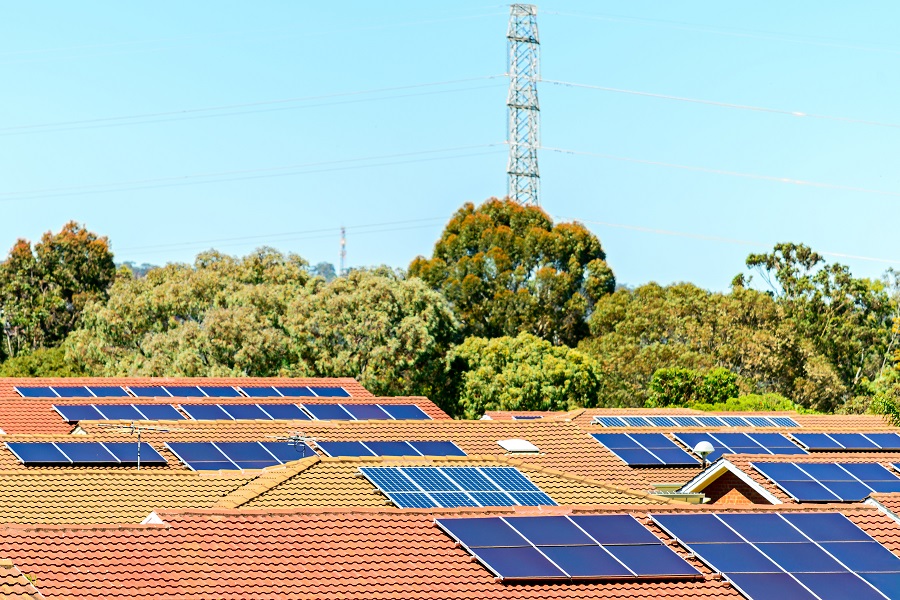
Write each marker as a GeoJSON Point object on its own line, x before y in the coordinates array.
{"type": "Point", "coordinates": [729, 489]}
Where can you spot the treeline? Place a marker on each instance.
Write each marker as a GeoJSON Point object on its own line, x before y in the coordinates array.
{"type": "Point", "coordinates": [511, 312]}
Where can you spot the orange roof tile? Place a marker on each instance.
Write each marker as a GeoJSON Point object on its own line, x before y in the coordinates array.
{"type": "Point", "coordinates": [14, 585]}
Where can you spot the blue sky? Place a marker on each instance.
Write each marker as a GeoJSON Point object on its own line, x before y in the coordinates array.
{"type": "Point", "coordinates": [173, 127]}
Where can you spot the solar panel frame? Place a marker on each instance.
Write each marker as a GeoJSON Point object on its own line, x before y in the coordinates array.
{"type": "Point", "coordinates": [284, 412]}
{"type": "Point", "coordinates": [390, 448]}
{"type": "Point", "coordinates": [36, 392]}
{"type": "Point", "coordinates": [636, 421]}
{"type": "Point", "coordinates": [405, 412]}
{"type": "Point", "coordinates": [686, 421]}
{"type": "Point", "coordinates": [854, 441]}
{"type": "Point", "coordinates": [509, 479]}
{"type": "Point", "coordinates": [784, 422]}
{"type": "Point", "coordinates": [431, 479]}
{"type": "Point", "coordinates": [412, 500]}
{"type": "Point", "coordinates": [247, 455]}
{"type": "Point", "coordinates": [735, 421]}
{"type": "Point", "coordinates": [184, 391]}
{"type": "Point", "coordinates": [119, 412]}
{"type": "Point", "coordinates": [87, 453]}
{"type": "Point", "coordinates": [72, 391]}
{"type": "Point", "coordinates": [711, 421]}
{"type": "Point", "coordinates": [327, 391]}
{"type": "Point", "coordinates": [38, 453]}
{"type": "Point", "coordinates": [160, 412]}
{"type": "Point", "coordinates": [288, 451]}
{"type": "Point", "coordinates": [294, 391]}
{"type": "Point", "coordinates": [108, 391]}
{"type": "Point", "coordinates": [220, 391]}
{"type": "Point", "coordinates": [126, 453]}
{"type": "Point", "coordinates": [266, 391]}
{"type": "Point", "coordinates": [366, 412]}
{"type": "Point", "coordinates": [327, 412]}
{"type": "Point", "coordinates": [532, 498]}
{"type": "Point", "coordinates": [212, 458]}
{"type": "Point", "coordinates": [149, 391]}
{"type": "Point", "coordinates": [885, 441]}
{"type": "Point", "coordinates": [389, 480]}
{"type": "Point", "coordinates": [335, 449]}
{"type": "Point", "coordinates": [661, 421]}
{"type": "Point", "coordinates": [609, 421]}
{"type": "Point", "coordinates": [817, 441]}
{"type": "Point", "coordinates": [838, 585]}
{"type": "Point", "coordinates": [206, 412]}
{"type": "Point", "coordinates": [437, 448]}
{"type": "Point", "coordinates": [245, 412]}
{"type": "Point", "coordinates": [72, 413]}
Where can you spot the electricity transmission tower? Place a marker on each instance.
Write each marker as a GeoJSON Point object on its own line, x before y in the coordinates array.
{"type": "Point", "coordinates": [523, 125]}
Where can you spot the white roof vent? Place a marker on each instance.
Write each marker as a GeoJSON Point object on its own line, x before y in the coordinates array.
{"type": "Point", "coordinates": [518, 446]}
{"type": "Point", "coordinates": [153, 519]}
{"type": "Point", "coordinates": [486, 418]}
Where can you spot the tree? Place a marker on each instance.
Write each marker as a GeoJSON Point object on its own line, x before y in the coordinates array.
{"type": "Point", "coordinates": [43, 362]}
{"type": "Point", "coordinates": [677, 386]}
{"type": "Point", "coordinates": [324, 270]}
{"type": "Point", "coordinates": [521, 373]}
{"type": "Point", "coordinates": [44, 289]}
{"type": "Point", "coordinates": [506, 269]}
{"type": "Point", "coordinates": [389, 332]}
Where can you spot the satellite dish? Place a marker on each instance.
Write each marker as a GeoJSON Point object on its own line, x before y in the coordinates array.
{"type": "Point", "coordinates": [703, 449]}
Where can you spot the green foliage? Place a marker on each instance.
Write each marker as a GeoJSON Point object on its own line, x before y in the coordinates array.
{"type": "Point", "coordinates": [506, 269]}
{"type": "Point", "coordinates": [44, 289]}
{"type": "Point", "coordinates": [677, 386]}
{"type": "Point", "coordinates": [718, 385]}
{"type": "Point", "coordinates": [753, 403]}
{"type": "Point", "coordinates": [43, 362]}
{"type": "Point", "coordinates": [522, 373]}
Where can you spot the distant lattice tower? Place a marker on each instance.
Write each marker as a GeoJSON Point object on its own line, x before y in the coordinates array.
{"type": "Point", "coordinates": [524, 124]}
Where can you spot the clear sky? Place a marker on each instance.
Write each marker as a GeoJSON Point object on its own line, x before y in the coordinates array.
{"type": "Point", "coordinates": [172, 127]}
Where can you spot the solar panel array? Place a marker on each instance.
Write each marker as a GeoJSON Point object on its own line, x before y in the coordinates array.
{"type": "Point", "coordinates": [182, 391]}
{"type": "Point", "coordinates": [390, 448]}
{"type": "Point", "coordinates": [232, 412]}
{"type": "Point", "coordinates": [829, 482]}
{"type": "Point", "coordinates": [450, 487]}
{"type": "Point", "coordinates": [645, 449]}
{"type": "Point", "coordinates": [212, 456]}
{"type": "Point", "coordinates": [693, 421]}
{"type": "Point", "coordinates": [84, 453]}
{"type": "Point", "coordinates": [567, 547]}
{"type": "Point", "coordinates": [790, 555]}
{"type": "Point", "coordinates": [872, 442]}
{"type": "Point", "coordinates": [741, 443]}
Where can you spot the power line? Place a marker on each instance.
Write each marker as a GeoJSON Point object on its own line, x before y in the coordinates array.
{"type": "Point", "coordinates": [816, 184]}
{"type": "Point", "coordinates": [723, 104]}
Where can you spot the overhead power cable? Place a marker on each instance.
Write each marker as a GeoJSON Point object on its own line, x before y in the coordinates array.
{"type": "Point", "coordinates": [791, 113]}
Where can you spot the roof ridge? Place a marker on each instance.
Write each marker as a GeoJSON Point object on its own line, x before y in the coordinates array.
{"type": "Point", "coordinates": [269, 479]}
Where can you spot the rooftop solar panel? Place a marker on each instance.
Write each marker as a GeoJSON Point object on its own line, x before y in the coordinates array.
{"type": "Point", "coordinates": [817, 441]}
{"type": "Point", "coordinates": [38, 453]}
{"type": "Point", "coordinates": [206, 412]}
{"type": "Point", "coordinates": [829, 482]}
{"type": "Point", "coordinates": [288, 451]}
{"type": "Point", "coordinates": [760, 421]}
{"type": "Point", "coordinates": [495, 499]}
{"type": "Point", "coordinates": [610, 421]}
{"type": "Point", "coordinates": [344, 449]}
{"type": "Point", "coordinates": [711, 421]}
{"type": "Point", "coordinates": [119, 412]}
{"type": "Point", "coordinates": [108, 391]}
{"type": "Point", "coordinates": [645, 449]}
{"type": "Point", "coordinates": [854, 441]}
{"type": "Point", "coordinates": [36, 392]}
{"type": "Point", "coordinates": [247, 412]}
{"type": "Point", "coordinates": [284, 412]}
{"type": "Point", "coordinates": [149, 391]}
{"type": "Point", "coordinates": [614, 529]}
{"type": "Point", "coordinates": [75, 391]}
{"type": "Point", "coordinates": [159, 412]}
{"type": "Point", "coordinates": [405, 412]}
{"type": "Point", "coordinates": [329, 392]}
{"type": "Point", "coordinates": [784, 422]}
{"type": "Point", "coordinates": [687, 422]}
{"type": "Point", "coordinates": [885, 441]}
{"type": "Point", "coordinates": [260, 392]}
{"type": "Point", "coordinates": [389, 480]}
{"type": "Point", "coordinates": [220, 391]}
{"type": "Point", "coordinates": [661, 421]}
{"type": "Point", "coordinates": [557, 547]}
{"type": "Point", "coordinates": [328, 412]}
{"type": "Point", "coordinates": [184, 391]}
{"type": "Point", "coordinates": [127, 453]}
{"type": "Point", "coordinates": [87, 453]}
{"type": "Point", "coordinates": [78, 412]}
{"type": "Point", "coordinates": [637, 422]}
{"type": "Point", "coordinates": [733, 421]}
{"type": "Point", "coordinates": [388, 448]}
{"type": "Point", "coordinates": [296, 391]}
{"type": "Point", "coordinates": [366, 412]}
{"type": "Point", "coordinates": [430, 479]}
{"type": "Point", "coordinates": [509, 479]}
{"type": "Point", "coordinates": [453, 499]}
{"type": "Point", "coordinates": [248, 455]}
{"type": "Point", "coordinates": [200, 456]}
{"type": "Point", "coordinates": [526, 417]}
{"type": "Point", "coordinates": [412, 500]}
{"type": "Point", "coordinates": [437, 448]}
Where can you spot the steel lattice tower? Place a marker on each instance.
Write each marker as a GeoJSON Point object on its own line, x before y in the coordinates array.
{"type": "Point", "coordinates": [524, 123]}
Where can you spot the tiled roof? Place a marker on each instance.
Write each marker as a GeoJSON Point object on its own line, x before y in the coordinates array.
{"type": "Point", "coordinates": [96, 496]}
{"type": "Point", "coordinates": [14, 585]}
{"type": "Point", "coordinates": [338, 482]}
{"type": "Point", "coordinates": [806, 422]}
{"type": "Point", "coordinates": [25, 415]}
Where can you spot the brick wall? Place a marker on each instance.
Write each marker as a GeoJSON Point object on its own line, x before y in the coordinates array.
{"type": "Point", "coordinates": [729, 489]}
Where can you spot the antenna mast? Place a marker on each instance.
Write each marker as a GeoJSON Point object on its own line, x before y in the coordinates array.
{"type": "Point", "coordinates": [523, 125]}
{"type": "Point", "coordinates": [343, 250]}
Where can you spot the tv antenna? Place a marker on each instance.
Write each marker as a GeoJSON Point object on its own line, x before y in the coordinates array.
{"type": "Point", "coordinates": [136, 429]}
{"type": "Point", "coordinates": [299, 441]}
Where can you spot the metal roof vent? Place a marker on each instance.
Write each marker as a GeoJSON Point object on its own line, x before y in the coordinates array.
{"type": "Point", "coordinates": [516, 446]}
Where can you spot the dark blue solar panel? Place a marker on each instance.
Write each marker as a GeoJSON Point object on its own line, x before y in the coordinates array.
{"type": "Point", "coordinates": [885, 441]}
{"type": "Point", "coordinates": [509, 479]}
{"type": "Point", "coordinates": [109, 391]}
{"type": "Point", "coordinates": [586, 562]}
{"type": "Point", "coordinates": [824, 472]}
{"type": "Point", "coordinates": [784, 422]}
{"type": "Point", "coordinates": [389, 479]}
{"type": "Point", "coordinates": [469, 479]}
{"type": "Point", "coordinates": [344, 449]}
{"type": "Point", "coordinates": [412, 500]}
{"type": "Point", "coordinates": [735, 557]}
{"type": "Point", "coordinates": [759, 421]}
{"type": "Point", "coordinates": [627, 449]}
{"type": "Point", "coordinates": [659, 421]}
{"type": "Point", "coordinates": [285, 412]}
{"type": "Point", "coordinates": [764, 586]}
{"type": "Point", "coordinates": [800, 558]}
{"type": "Point", "coordinates": [261, 392]}
{"type": "Point", "coordinates": [452, 499]}
{"type": "Point", "coordinates": [430, 479]}
{"type": "Point", "coordinates": [846, 586]}
{"type": "Point", "coordinates": [762, 527]}
{"type": "Point", "coordinates": [295, 391]}
{"type": "Point", "coordinates": [854, 441]}
{"type": "Point", "coordinates": [380, 448]}
{"type": "Point", "coordinates": [781, 471]}
{"type": "Point", "coordinates": [127, 453]}
{"type": "Point", "coordinates": [519, 563]}
{"type": "Point", "coordinates": [817, 441]}
{"type": "Point", "coordinates": [887, 583]}
{"type": "Point", "coordinates": [549, 531]}
{"type": "Point", "coordinates": [740, 443]}
{"type": "Point", "coordinates": [526, 417]}
{"type": "Point", "coordinates": [674, 457]}
{"type": "Point", "coordinates": [78, 412]}
{"type": "Point", "coordinates": [692, 529]}
{"type": "Point", "coordinates": [159, 412]}
{"type": "Point", "coordinates": [149, 391]}
{"type": "Point", "coordinates": [615, 441]}
{"type": "Point", "coordinates": [711, 421]}
{"type": "Point", "coordinates": [493, 499]}
{"type": "Point", "coordinates": [775, 443]}
{"type": "Point", "coordinates": [482, 532]}
{"type": "Point", "coordinates": [863, 556]}
{"type": "Point", "coordinates": [119, 412]}
{"type": "Point", "coordinates": [287, 451]}
{"type": "Point", "coordinates": [610, 421]}
{"type": "Point", "coordinates": [637, 422]}
{"type": "Point", "coordinates": [692, 439]}
{"type": "Point", "coordinates": [219, 391]}
{"type": "Point", "coordinates": [184, 391]}
{"type": "Point", "coordinates": [614, 529]}
{"type": "Point", "coordinates": [330, 392]}
{"type": "Point", "coordinates": [328, 412]}
{"type": "Point", "coordinates": [438, 448]}
{"type": "Point", "coordinates": [807, 491]}
{"type": "Point", "coordinates": [687, 422]}
{"type": "Point", "coordinates": [249, 412]}
{"type": "Point", "coordinates": [405, 412]}
{"type": "Point", "coordinates": [248, 455]}
{"type": "Point", "coordinates": [77, 391]}
{"type": "Point", "coordinates": [848, 491]}
{"type": "Point", "coordinates": [366, 412]}
{"type": "Point", "coordinates": [735, 421]}
{"type": "Point", "coordinates": [652, 560]}
{"type": "Point", "coordinates": [87, 453]}
{"type": "Point", "coordinates": [827, 527]}
{"type": "Point", "coordinates": [38, 453]}
{"type": "Point", "coordinates": [206, 412]}
{"type": "Point", "coordinates": [35, 392]}
{"type": "Point", "coordinates": [200, 456]}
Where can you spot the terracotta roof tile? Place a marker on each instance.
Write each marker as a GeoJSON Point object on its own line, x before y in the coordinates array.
{"type": "Point", "coordinates": [14, 585]}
